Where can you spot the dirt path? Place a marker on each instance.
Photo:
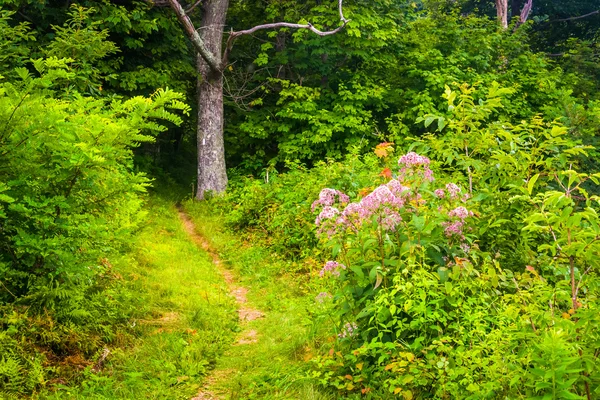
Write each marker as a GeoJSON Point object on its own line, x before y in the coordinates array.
{"type": "Point", "coordinates": [245, 312]}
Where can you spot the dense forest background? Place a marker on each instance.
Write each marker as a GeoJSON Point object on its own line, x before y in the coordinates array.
{"type": "Point", "coordinates": [291, 95]}
{"type": "Point", "coordinates": [99, 108]}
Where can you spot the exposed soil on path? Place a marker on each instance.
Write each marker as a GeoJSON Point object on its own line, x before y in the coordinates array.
{"type": "Point", "coordinates": [245, 312]}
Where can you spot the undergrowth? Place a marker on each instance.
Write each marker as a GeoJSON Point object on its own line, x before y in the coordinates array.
{"type": "Point", "coordinates": [177, 317]}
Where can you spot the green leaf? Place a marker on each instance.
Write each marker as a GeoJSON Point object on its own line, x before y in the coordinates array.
{"type": "Point", "coordinates": [532, 182]}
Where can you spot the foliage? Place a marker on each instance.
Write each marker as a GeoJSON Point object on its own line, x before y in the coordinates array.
{"type": "Point", "coordinates": [80, 41]}
{"type": "Point", "coordinates": [70, 200]}
{"type": "Point", "coordinates": [482, 283]}
{"type": "Point", "coordinates": [275, 367]}
{"type": "Point", "coordinates": [280, 216]}
{"type": "Point", "coordinates": [180, 313]}
{"type": "Point", "coordinates": [149, 52]}
{"type": "Point", "coordinates": [308, 98]}
{"type": "Point", "coordinates": [492, 157]}
{"type": "Point", "coordinates": [13, 50]}
{"type": "Point", "coordinates": [69, 190]}
{"type": "Point", "coordinates": [428, 308]}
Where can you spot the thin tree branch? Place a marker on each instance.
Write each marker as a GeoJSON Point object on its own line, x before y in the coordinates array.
{"type": "Point", "coordinates": [578, 17]}
{"type": "Point", "coordinates": [288, 25]}
{"type": "Point", "coordinates": [524, 14]}
{"type": "Point", "coordinates": [235, 34]}
{"type": "Point", "coordinates": [194, 36]}
{"type": "Point", "coordinates": [526, 11]}
{"type": "Point", "coordinates": [196, 4]}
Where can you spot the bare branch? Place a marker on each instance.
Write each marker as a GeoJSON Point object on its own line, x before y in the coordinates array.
{"type": "Point", "coordinates": [234, 35]}
{"type": "Point", "coordinates": [288, 25]}
{"type": "Point", "coordinates": [524, 13]}
{"type": "Point", "coordinates": [196, 4]}
{"type": "Point", "coordinates": [578, 17]}
{"type": "Point", "coordinates": [194, 36]}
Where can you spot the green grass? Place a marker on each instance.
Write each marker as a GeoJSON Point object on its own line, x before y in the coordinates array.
{"type": "Point", "coordinates": [189, 324]}
{"type": "Point", "coordinates": [190, 319]}
{"type": "Point", "coordinates": [276, 367]}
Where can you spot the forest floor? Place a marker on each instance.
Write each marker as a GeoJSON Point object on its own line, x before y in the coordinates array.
{"type": "Point", "coordinates": [269, 357]}
{"type": "Point", "coordinates": [246, 313]}
{"type": "Point", "coordinates": [224, 322]}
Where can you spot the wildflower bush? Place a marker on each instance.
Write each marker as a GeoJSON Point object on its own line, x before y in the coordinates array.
{"type": "Point", "coordinates": [477, 281]}
{"type": "Point", "coordinates": [276, 210]}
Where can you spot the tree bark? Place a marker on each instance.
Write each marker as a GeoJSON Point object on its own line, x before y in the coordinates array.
{"type": "Point", "coordinates": [502, 12]}
{"type": "Point", "coordinates": [212, 174]}
{"type": "Point", "coordinates": [211, 61]}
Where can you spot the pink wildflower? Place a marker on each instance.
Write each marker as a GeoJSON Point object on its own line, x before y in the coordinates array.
{"type": "Point", "coordinates": [326, 214]}
{"type": "Point", "coordinates": [413, 159]}
{"type": "Point", "coordinates": [322, 297]}
{"type": "Point", "coordinates": [460, 212]}
{"type": "Point", "coordinates": [412, 163]}
{"type": "Point", "coordinates": [383, 203]}
{"type": "Point", "coordinates": [397, 188]}
{"type": "Point", "coordinates": [453, 190]}
{"type": "Point", "coordinates": [333, 267]}
{"type": "Point", "coordinates": [327, 198]}
{"type": "Point", "coordinates": [382, 196]}
{"type": "Point", "coordinates": [390, 220]}
{"type": "Point", "coordinates": [348, 330]}
{"type": "Point", "coordinates": [454, 229]}
{"type": "Point", "coordinates": [439, 193]}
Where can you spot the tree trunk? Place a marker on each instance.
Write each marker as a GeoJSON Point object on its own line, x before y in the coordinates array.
{"type": "Point", "coordinates": [502, 12]}
{"type": "Point", "coordinates": [212, 175]}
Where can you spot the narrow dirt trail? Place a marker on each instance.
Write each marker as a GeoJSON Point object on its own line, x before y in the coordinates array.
{"type": "Point", "coordinates": [245, 312]}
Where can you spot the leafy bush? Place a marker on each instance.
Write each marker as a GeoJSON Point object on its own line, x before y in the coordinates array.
{"type": "Point", "coordinates": [70, 199]}
{"type": "Point", "coordinates": [69, 192]}
{"type": "Point", "coordinates": [432, 304]}
{"type": "Point", "coordinates": [277, 209]}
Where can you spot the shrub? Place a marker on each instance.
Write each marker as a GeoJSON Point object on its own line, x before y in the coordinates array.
{"type": "Point", "coordinates": [431, 304]}
{"type": "Point", "coordinates": [70, 200]}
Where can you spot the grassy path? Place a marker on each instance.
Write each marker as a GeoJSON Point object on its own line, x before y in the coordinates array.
{"type": "Point", "coordinates": [222, 320]}
{"type": "Point", "coordinates": [273, 365]}
{"type": "Point", "coordinates": [189, 318]}
{"type": "Point", "coordinates": [246, 313]}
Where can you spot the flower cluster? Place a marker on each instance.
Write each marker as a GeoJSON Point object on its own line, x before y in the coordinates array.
{"type": "Point", "coordinates": [332, 267]}
{"type": "Point", "coordinates": [454, 227]}
{"type": "Point", "coordinates": [387, 203]}
{"type": "Point", "coordinates": [323, 297]}
{"type": "Point", "coordinates": [460, 213]}
{"type": "Point", "coordinates": [453, 190]}
{"type": "Point", "coordinates": [414, 164]}
{"type": "Point", "coordinates": [326, 213]}
{"type": "Point", "coordinates": [327, 198]}
{"type": "Point", "coordinates": [327, 220]}
{"type": "Point", "coordinates": [348, 330]}
{"type": "Point", "coordinates": [384, 202]}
